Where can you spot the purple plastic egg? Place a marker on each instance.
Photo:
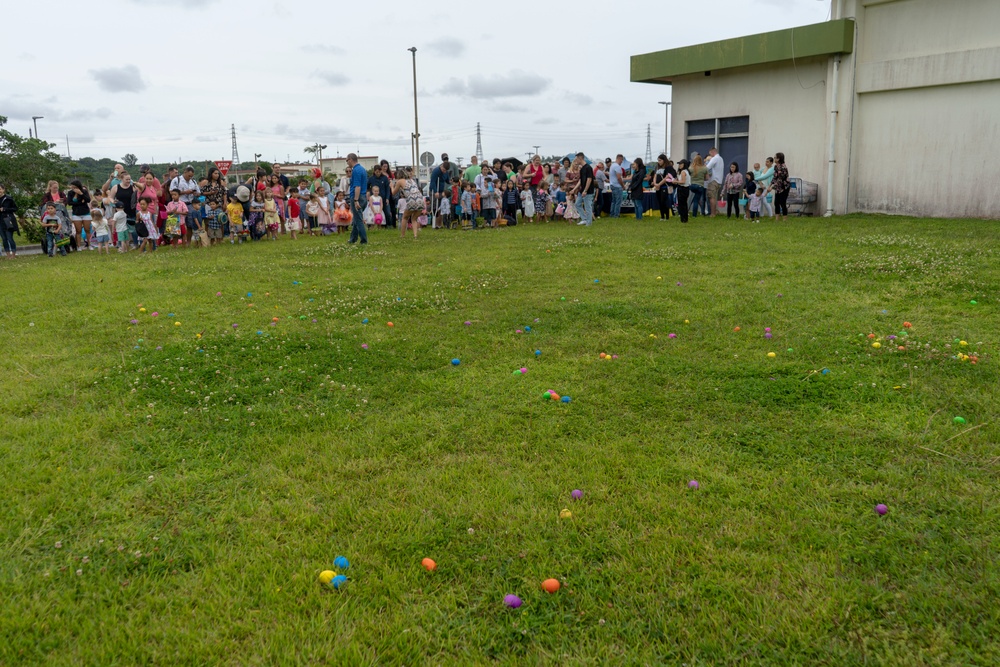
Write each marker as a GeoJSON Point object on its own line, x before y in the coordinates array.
{"type": "Point", "coordinates": [767, 335]}
{"type": "Point", "coordinates": [577, 494]}
{"type": "Point", "coordinates": [512, 601]}
{"type": "Point", "coordinates": [881, 509]}
{"type": "Point", "coordinates": [693, 484]}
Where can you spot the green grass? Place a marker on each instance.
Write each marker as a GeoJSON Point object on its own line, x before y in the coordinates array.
{"type": "Point", "coordinates": [201, 485]}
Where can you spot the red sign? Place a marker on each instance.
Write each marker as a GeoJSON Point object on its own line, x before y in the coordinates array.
{"type": "Point", "coordinates": [224, 166]}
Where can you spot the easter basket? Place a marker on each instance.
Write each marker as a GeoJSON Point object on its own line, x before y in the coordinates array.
{"type": "Point", "coordinates": [743, 202]}
{"type": "Point", "coordinates": [63, 241]}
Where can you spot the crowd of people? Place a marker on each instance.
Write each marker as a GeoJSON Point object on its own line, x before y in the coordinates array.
{"type": "Point", "coordinates": [182, 209]}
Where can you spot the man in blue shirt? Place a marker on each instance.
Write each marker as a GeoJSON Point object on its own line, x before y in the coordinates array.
{"type": "Point", "coordinates": [358, 196]}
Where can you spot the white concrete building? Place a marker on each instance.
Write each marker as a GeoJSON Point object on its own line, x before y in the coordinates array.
{"type": "Point", "coordinates": [893, 106]}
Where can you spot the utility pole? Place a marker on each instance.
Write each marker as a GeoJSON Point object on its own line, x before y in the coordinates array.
{"type": "Point", "coordinates": [236, 153]}
{"type": "Point", "coordinates": [68, 154]}
{"type": "Point", "coordinates": [416, 122]}
{"type": "Point", "coordinates": [649, 146]}
{"type": "Point", "coordinates": [666, 136]}
{"type": "Point", "coordinates": [536, 149]}
{"type": "Point", "coordinates": [479, 143]}
{"type": "Point", "coordinates": [35, 119]}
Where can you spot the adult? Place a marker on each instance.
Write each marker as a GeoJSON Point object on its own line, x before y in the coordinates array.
{"type": "Point", "coordinates": [535, 173]}
{"type": "Point", "coordinates": [698, 174]}
{"type": "Point", "coordinates": [497, 166]}
{"type": "Point", "coordinates": [781, 185]}
{"type": "Point", "coordinates": [382, 181]}
{"type": "Point", "coordinates": [144, 170]}
{"type": "Point", "coordinates": [713, 184]}
{"type": "Point", "coordinates": [616, 175]}
{"type": "Point", "coordinates": [663, 176]}
{"type": "Point", "coordinates": [281, 199]}
{"type": "Point", "coordinates": [585, 190]}
{"type": "Point", "coordinates": [114, 179]}
{"type": "Point", "coordinates": [411, 201]}
{"type": "Point", "coordinates": [390, 202]}
{"type": "Point", "coordinates": [214, 189]}
{"type": "Point", "coordinates": [126, 193]}
{"type": "Point", "coordinates": [549, 177]}
{"type": "Point", "coordinates": [168, 178]}
{"type": "Point", "coordinates": [358, 199]}
{"type": "Point", "coordinates": [472, 171]}
{"type": "Point", "coordinates": [566, 164]}
{"type": "Point", "coordinates": [452, 167]}
{"type": "Point", "coordinates": [483, 180]}
{"type": "Point", "coordinates": [8, 223]}
{"type": "Point", "coordinates": [189, 189]}
{"type": "Point", "coordinates": [600, 185]}
{"type": "Point", "coordinates": [78, 201]}
{"type": "Point", "coordinates": [683, 187]}
{"type": "Point", "coordinates": [147, 186]}
{"type": "Point", "coordinates": [53, 195]}
{"type": "Point", "coordinates": [508, 172]}
{"type": "Point", "coordinates": [636, 188]}
{"type": "Point", "coordinates": [440, 183]}
{"type": "Point", "coordinates": [732, 189]}
{"type": "Point", "coordinates": [763, 180]}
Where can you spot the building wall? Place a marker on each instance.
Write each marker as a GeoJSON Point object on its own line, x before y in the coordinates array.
{"type": "Point", "coordinates": [338, 165]}
{"type": "Point", "coordinates": [786, 105]}
{"type": "Point", "coordinates": [925, 101]}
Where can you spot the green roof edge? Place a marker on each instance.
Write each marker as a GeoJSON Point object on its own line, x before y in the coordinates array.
{"type": "Point", "coordinates": [818, 39]}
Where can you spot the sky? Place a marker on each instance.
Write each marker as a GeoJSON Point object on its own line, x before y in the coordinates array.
{"type": "Point", "coordinates": [291, 74]}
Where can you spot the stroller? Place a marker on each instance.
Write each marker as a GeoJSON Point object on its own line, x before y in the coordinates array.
{"type": "Point", "coordinates": [64, 238]}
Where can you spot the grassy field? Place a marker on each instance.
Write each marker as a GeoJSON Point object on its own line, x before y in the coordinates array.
{"type": "Point", "coordinates": [174, 484]}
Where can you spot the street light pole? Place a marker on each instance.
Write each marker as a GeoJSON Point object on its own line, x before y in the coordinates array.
{"type": "Point", "coordinates": [666, 137]}
{"type": "Point", "coordinates": [416, 122]}
{"type": "Point", "coordinates": [536, 149]}
{"type": "Point", "coordinates": [35, 119]}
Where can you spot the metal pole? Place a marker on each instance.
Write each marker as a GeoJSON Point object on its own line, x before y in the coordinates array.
{"type": "Point", "coordinates": [416, 121]}
{"type": "Point", "coordinates": [666, 134]}
{"type": "Point", "coordinates": [35, 119]}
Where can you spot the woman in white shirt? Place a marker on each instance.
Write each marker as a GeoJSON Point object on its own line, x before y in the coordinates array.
{"type": "Point", "coordinates": [682, 186]}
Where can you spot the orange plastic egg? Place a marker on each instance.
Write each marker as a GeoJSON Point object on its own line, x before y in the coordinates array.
{"type": "Point", "coordinates": [429, 564]}
{"type": "Point", "coordinates": [550, 585]}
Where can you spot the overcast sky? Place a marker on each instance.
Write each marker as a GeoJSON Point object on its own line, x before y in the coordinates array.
{"type": "Point", "coordinates": [555, 74]}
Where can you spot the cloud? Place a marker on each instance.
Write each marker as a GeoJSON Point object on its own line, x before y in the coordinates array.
{"type": "Point", "coordinates": [89, 139]}
{"type": "Point", "coordinates": [547, 121]}
{"type": "Point", "coordinates": [580, 98]}
{"type": "Point", "coordinates": [126, 79]}
{"type": "Point", "coordinates": [331, 134]}
{"type": "Point", "coordinates": [324, 48]}
{"type": "Point", "coordinates": [508, 108]}
{"type": "Point", "coordinates": [187, 4]}
{"type": "Point", "coordinates": [514, 84]}
{"type": "Point", "coordinates": [332, 78]}
{"type": "Point", "coordinates": [19, 108]}
{"type": "Point", "coordinates": [447, 47]}
{"type": "Point", "coordinates": [206, 140]}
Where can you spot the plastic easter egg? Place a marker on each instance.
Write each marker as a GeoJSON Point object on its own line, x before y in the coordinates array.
{"type": "Point", "coordinates": [907, 325]}
{"type": "Point", "coordinates": [825, 371]}
{"type": "Point", "coordinates": [142, 310]}
{"type": "Point", "coordinates": [672, 335]}
{"type": "Point", "coordinates": [389, 324]}
{"type": "Point", "coordinates": [693, 484]}
{"type": "Point", "coordinates": [538, 353]}
{"type": "Point", "coordinates": [562, 299]}
{"type": "Point", "coordinates": [736, 329]}
{"type": "Point", "coordinates": [468, 323]}
{"type": "Point", "coordinates": [260, 333]}
{"type": "Point", "coordinates": [963, 343]}
{"type": "Point", "coordinates": [973, 302]}
{"type": "Point", "coordinates": [154, 314]}
{"type": "Point", "coordinates": [140, 340]}
{"type": "Point", "coordinates": [338, 581]}
{"type": "Point", "coordinates": [790, 350]}
{"type": "Point", "coordinates": [364, 321]}
{"type": "Point", "coordinates": [577, 494]}
{"type": "Point", "coordinates": [771, 355]}
{"type": "Point", "coordinates": [959, 420]}
{"type": "Point", "coordinates": [249, 295]}
{"type": "Point", "coordinates": [597, 281]}
{"type": "Point", "coordinates": [876, 345]}
{"type": "Point", "coordinates": [523, 370]}
{"type": "Point", "coordinates": [527, 329]}
{"type": "Point", "coordinates": [218, 294]}
{"type": "Point", "coordinates": [133, 321]}
{"type": "Point", "coordinates": [550, 585]}
{"type": "Point", "coordinates": [235, 326]}
{"type": "Point", "coordinates": [687, 321]}
{"type": "Point", "coordinates": [512, 601]}
{"type": "Point", "coordinates": [429, 564]}
{"type": "Point", "coordinates": [554, 396]}
{"type": "Point", "coordinates": [177, 324]}
{"type": "Point", "coordinates": [767, 329]}
{"type": "Point", "coordinates": [565, 514]}
{"type": "Point", "coordinates": [455, 362]}
{"type": "Point", "coordinates": [341, 562]}
{"type": "Point", "coordinates": [767, 335]}
{"type": "Point", "coordinates": [326, 576]}
{"type": "Point", "coordinates": [565, 399]}
{"type": "Point", "coordinates": [364, 346]}
{"type": "Point", "coordinates": [602, 355]}
{"type": "Point", "coordinates": [881, 509]}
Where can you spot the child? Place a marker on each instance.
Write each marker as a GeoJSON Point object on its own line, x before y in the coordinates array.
{"type": "Point", "coordinates": [732, 188]}
{"type": "Point", "coordinates": [313, 212]}
{"type": "Point", "coordinates": [491, 201]}
{"type": "Point", "coordinates": [509, 199]}
{"type": "Point", "coordinates": [293, 219]}
{"type": "Point", "coordinates": [749, 187]}
{"type": "Point", "coordinates": [101, 231]}
{"type": "Point", "coordinates": [271, 219]}
{"type": "Point", "coordinates": [214, 220]}
{"type": "Point", "coordinates": [304, 196]}
{"type": "Point", "coordinates": [569, 209]}
{"type": "Point", "coordinates": [467, 206]}
{"type": "Point", "coordinates": [52, 224]}
{"type": "Point", "coordinates": [176, 211]}
{"type": "Point", "coordinates": [144, 217]}
{"type": "Point", "coordinates": [756, 200]}
{"type": "Point", "coordinates": [444, 211]}
{"type": "Point", "coordinates": [121, 227]}
{"type": "Point", "coordinates": [341, 215]}
{"type": "Point", "coordinates": [256, 223]}
{"type": "Point", "coordinates": [375, 207]}
{"type": "Point", "coordinates": [528, 203]}
{"type": "Point", "coordinates": [543, 202]}
{"type": "Point", "coordinates": [235, 213]}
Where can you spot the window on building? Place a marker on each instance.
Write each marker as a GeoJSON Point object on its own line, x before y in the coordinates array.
{"type": "Point", "coordinates": [730, 135]}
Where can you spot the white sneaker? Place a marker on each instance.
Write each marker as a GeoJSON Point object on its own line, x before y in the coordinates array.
{"type": "Point", "coordinates": [580, 223]}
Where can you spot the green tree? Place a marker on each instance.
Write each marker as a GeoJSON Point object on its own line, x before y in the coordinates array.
{"type": "Point", "coordinates": [26, 165]}
{"type": "Point", "coordinates": [130, 160]}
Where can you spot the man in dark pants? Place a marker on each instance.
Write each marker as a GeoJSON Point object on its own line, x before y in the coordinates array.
{"type": "Point", "coordinates": [358, 196]}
